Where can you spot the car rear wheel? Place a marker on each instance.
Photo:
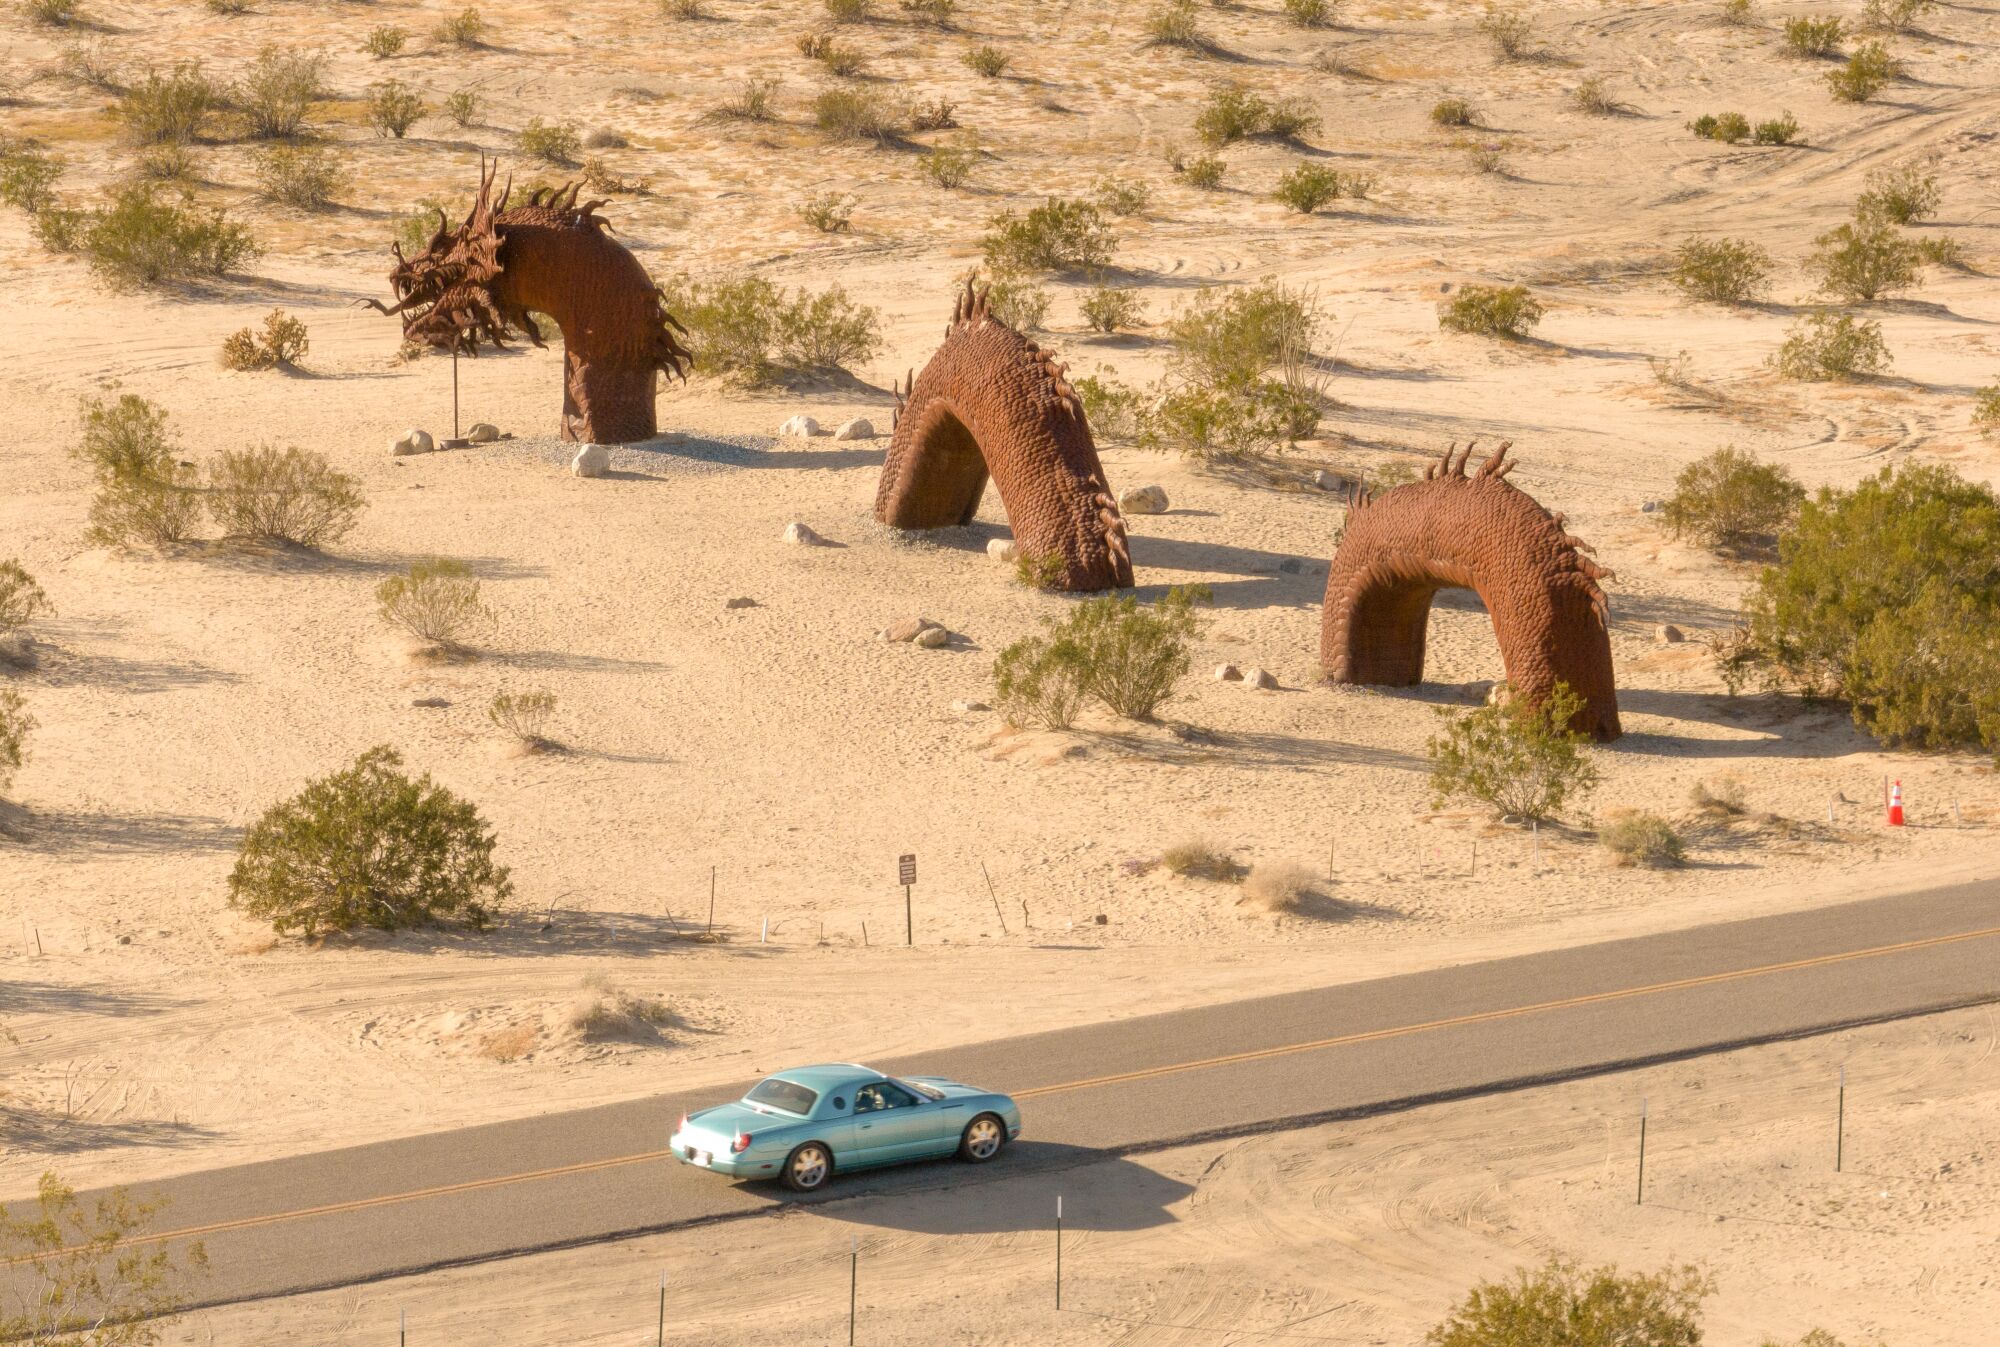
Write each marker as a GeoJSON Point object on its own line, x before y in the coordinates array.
{"type": "Point", "coordinates": [983, 1138]}
{"type": "Point", "coordinates": [808, 1168]}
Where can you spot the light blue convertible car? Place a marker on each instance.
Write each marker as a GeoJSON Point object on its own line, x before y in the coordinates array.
{"type": "Point", "coordinates": [801, 1126]}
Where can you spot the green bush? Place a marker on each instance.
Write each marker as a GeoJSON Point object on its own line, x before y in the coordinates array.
{"type": "Point", "coordinates": [393, 108]}
{"type": "Point", "coordinates": [1728, 127]}
{"type": "Point", "coordinates": [525, 715]}
{"type": "Point", "coordinates": [1562, 1305]}
{"type": "Point", "coordinates": [1896, 16]}
{"type": "Point", "coordinates": [1868, 71]}
{"type": "Point", "coordinates": [828, 212]}
{"type": "Point", "coordinates": [1060, 235]}
{"type": "Point", "coordinates": [1638, 838]}
{"type": "Point", "coordinates": [1120, 196]}
{"type": "Point", "coordinates": [1107, 649]}
{"type": "Point", "coordinates": [28, 175]}
{"type": "Point", "coordinates": [1037, 681]}
{"type": "Point", "coordinates": [307, 176]}
{"type": "Point", "coordinates": [1807, 36]}
{"type": "Point", "coordinates": [1490, 310]}
{"type": "Point", "coordinates": [282, 495]}
{"type": "Point", "coordinates": [1453, 112]}
{"type": "Point", "coordinates": [462, 106]}
{"type": "Point", "coordinates": [1822, 347]}
{"type": "Point", "coordinates": [855, 114]}
{"type": "Point", "coordinates": [1307, 187]}
{"type": "Point", "coordinates": [51, 13]}
{"type": "Point", "coordinates": [1901, 194]}
{"type": "Point", "coordinates": [384, 40]}
{"type": "Point", "coordinates": [463, 29]}
{"type": "Point", "coordinates": [987, 60]}
{"type": "Point", "coordinates": [15, 725]}
{"type": "Point", "coordinates": [171, 106]}
{"type": "Point", "coordinates": [1110, 309]}
{"type": "Point", "coordinates": [436, 600]}
{"type": "Point", "coordinates": [278, 90]}
{"type": "Point", "coordinates": [950, 165]}
{"type": "Point", "coordinates": [848, 11]}
{"type": "Point", "coordinates": [747, 329]}
{"type": "Point", "coordinates": [282, 343]}
{"type": "Point", "coordinates": [1021, 302]}
{"type": "Point", "coordinates": [21, 599]}
{"type": "Point", "coordinates": [1312, 13]}
{"type": "Point", "coordinates": [936, 13]}
{"type": "Point", "coordinates": [168, 161]}
{"type": "Point", "coordinates": [1723, 271]}
{"type": "Point", "coordinates": [560, 145]}
{"type": "Point", "coordinates": [1520, 760]}
{"type": "Point", "coordinates": [1199, 858]}
{"type": "Point", "coordinates": [369, 846]}
{"type": "Point", "coordinates": [1227, 422]}
{"type": "Point", "coordinates": [1592, 95]}
{"type": "Point", "coordinates": [1115, 410]}
{"type": "Point", "coordinates": [1509, 31]}
{"type": "Point", "coordinates": [839, 60]}
{"type": "Point", "coordinates": [1176, 23]}
{"type": "Point", "coordinates": [1231, 337]}
{"type": "Point", "coordinates": [1782, 129]}
{"type": "Point", "coordinates": [1888, 596]}
{"type": "Point", "coordinates": [144, 494]}
{"type": "Point", "coordinates": [144, 239]}
{"type": "Point", "coordinates": [1203, 171]}
{"type": "Point", "coordinates": [937, 114]}
{"type": "Point", "coordinates": [1738, 13]}
{"type": "Point", "coordinates": [1242, 373]}
{"type": "Point", "coordinates": [1986, 408]}
{"type": "Point", "coordinates": [1233, 113]}
{"type": "Point", "coordinates": [1731, 502]}
{"type": "Point", "coordinates": [1862, 262]}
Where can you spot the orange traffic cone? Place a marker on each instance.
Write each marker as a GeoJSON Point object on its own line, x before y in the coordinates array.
{"type": "Point", "coordinates": [1896, 805]}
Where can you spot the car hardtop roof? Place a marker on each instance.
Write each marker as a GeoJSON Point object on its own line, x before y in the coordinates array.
{"type": "Point", "coordinates": [829, 1075]}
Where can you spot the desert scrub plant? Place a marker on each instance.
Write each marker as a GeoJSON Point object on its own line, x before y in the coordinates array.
{"type": "Point", "coordinates": [1312, 13]}
{"type": "Point", "coordinates": [1864, 261]}
{"type": "Point", "coordinates": [424, 855]}
{"type": "Point", "coordinates": [1731, 502]}
{"type": "Point", "coordinates": [143, 238]}
{"type": "Point", "coordinates": [750, 331]}
{"type": "Point", "coordinates": [986, 59]}
{"type": "Point", "coordinates": [1900, 194]}
{"type": "Point", "coordinates": [462, 106]}
{"type": "Point", "coordinates": [1121, 196]}
{"type": "Point", "coordinates": [1233, 337]}
{"type": "Point", "coordinates": [1896, 16]}
{"type": "Point", "coordinates": [1176, 23]}
{"type": "Point", "coordinates": [143, 493]}
{"type": "Point", "coordinates": [307, 177]}
{"type": "Point", "coordinates": [1307, 187]}
{"type": "Point", "coordinates": [1731, 128]}
{"type": "Point", "coordinates": [1060, 235]}
{"type": "Point", "coordinates": [1520, 760]}
{"type": "Point", "coordinates": [1635, 837]}
{"type": "Point", "coordinates": [1869, 69]}
{"type": "Point", "coordinates": [437, 601]}
{"type": "Point", "coordinates": [1198, 858]}
{"type": "Point", "coordinates": [51, 13]}
{"type": "Point", "coordinates": [21, 599]}
{"type": "Point", "coordinates": [828, 212]}
{"type": "Point", "coordinates": [28, 175]}
{"type": "Point", "coordinates": [393, 108]}
{"type": "Point", "coordinates": [1563, 1301]}
{"type": "Point", "coordinates": [1592, 95]}
{"type": "Point", "coordinates": [1112, 309]}
{"type": "Point", "coordinates": [1508, 31]}
{"type": "Point", "coordinates": [949, 165]}
{"type": "Point", "coordinates": [168, 161]}
{"type": "Point", "coordinates": [684, 11]}
{"type": "Point", "coordinates": [755, 100]}
{"type": "Point", "coordinates": [290, 495]}
{"type": "Point", "coordinates": [1279, 886]}
{"type": "Point", "coordinates": [1507, 311]}
{"type": "Point", "coordinates": [1019, 301]}
{"type": "Point", "coordinates": [174, 105]}
{"type": "Point", "coordinates": [1722, 271]}
{"type": "Point", "coordinates": [1455, 112]}
{"type": "Point", "coordinates": [1204, 171]}
{"type": "Point", "coordinates": [1232, 113]}
{"type": "Point", "coordinates": [384, 41]}
{"type": "Point", "coordinates": [1114, 409]}
{"type": "Point", "coordinates": [464, 29]}
{"type": "Point", "coordinates": [1782, 129]}
{"type": "Point", "coordinates": [278, 90]}
{"type": "Point", "coordinates": [559, 145]}
{"type": "Point", "coordinates": [1986, 409]}
{"type": "Point", "coordinates": [855, 114]}
{"type": "Point", "coordinates": [1824, 347]}
{"type": "Point", "coordinates": [1037, 681]}
{"type": "Point", "coordinates": [1110, 649]}
{"type": "Point", "coordinates": [836, 58]}
{"type": "Point", "coordinates": [1807, 35]}
{"type": "Point", "coordinates": [1485, 156]}
{"type": "Point", "coordinates": [848, 11]}
{"type": "Point", "coordinates": [1737, 13]}
{"type": "Point", "coordinates": [525, 716]}
{"type": "Point", "coordinates": [934, 114]}
{"type": "Point", "coordinates": [281, 343]}
{"type": "Point", "coordinates": [15, 726]}
{"type": "Point", "coordinates": [936, 13]}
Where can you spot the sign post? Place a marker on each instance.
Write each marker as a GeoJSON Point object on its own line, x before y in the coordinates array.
{"type": "Point", "coordinates": [906, 875]}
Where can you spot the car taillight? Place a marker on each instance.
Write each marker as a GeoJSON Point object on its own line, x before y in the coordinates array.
{"type": "Point", "coordinates": [741, 1144]}
{"type": "Point", "coordinates": [684, 1123]}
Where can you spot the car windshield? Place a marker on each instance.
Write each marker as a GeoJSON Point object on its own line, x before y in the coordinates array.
{"type": "Point", "coordinates": [926, 1091]}
{"type": "Point", "coordinates": [783, 1095]}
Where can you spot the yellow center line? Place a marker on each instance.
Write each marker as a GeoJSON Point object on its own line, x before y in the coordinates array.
{"type": "Point", "coordinates": [1094, 1082]}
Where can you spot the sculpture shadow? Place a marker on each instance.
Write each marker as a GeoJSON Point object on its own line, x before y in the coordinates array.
{"type": "Point", "coordinates": [571, 661]}
{"type": "Point", "coordinates": [68, 832]}
{"type": "Point", "coordinates": [1631, 612]}
{"type": "Point", "coordinates": [19, 997]}
{"type": "Point", "coordinates": [282, 558]}
{"type": "Point", "coordinates": [50, 1135]}
{"type": "Point", "coordinates": [68, 669]}
{"type": "Point", "coordinates": [557, 932]}
{"type": "Point", "coordinates": [1182, 554]}
{"type": "Point", "coordinates": [723, 452]}
{"type": "Point", "coordinates": [1193, 747]}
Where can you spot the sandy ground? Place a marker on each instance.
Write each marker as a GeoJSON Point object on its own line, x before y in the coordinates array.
{"type": "Point", "coordinates": [1354, 1233]}
{"type": "Point", "coordinates": [782, 748]}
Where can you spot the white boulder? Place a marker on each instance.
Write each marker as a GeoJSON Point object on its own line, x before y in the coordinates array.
{"type": "Point", "coordinates": [930, 638]}
{"type": "Point", "coordinates": [801, 426]}
{"type": "Point", "coordinates": [1004, 550]}
{"type": "Point", "coordinates": [413, 442]}
{"type": "Point", "coordinates": [593, 460]}
{"type": "Point", "coordinates": [1228, 673]}
{"type": "Point", "coordinates": [482, 432]}
{"type": "Point", "coordinates": [860, 428]}
{"type": "Point", "coordinates": [1143, 500]}
{"type": "Point", "coordinates": [908, 629]}
{"type": "Point", "coordinates": [799, 535]}
{"type": "Point", "coordinates": [1260, 678]}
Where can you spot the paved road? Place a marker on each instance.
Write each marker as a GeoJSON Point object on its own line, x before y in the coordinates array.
{"type": "Point", "coordinates": [350, 1215]}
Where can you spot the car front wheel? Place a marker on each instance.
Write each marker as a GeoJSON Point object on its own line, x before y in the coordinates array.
{"type": "Point", "coordinates": [808, 1168]}
{"type": "Point", "coordinates": [983, 1138]}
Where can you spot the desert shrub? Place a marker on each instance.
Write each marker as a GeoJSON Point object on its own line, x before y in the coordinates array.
{"type": "Point", "coordinates": [90, 1274]}
{"type": "Point", "coordinates": [1901, 194]}
{"type": "Point", "coordinates": [1509, 32]}
{"type": "Point", "coordinates": [1232, 112]}
{"type": "Point", "coordinates": [1896, 16]}
{"type": "Point", "coordinates": [424, 855]}
{"type": "Point", "coordinates": [1279, 886]}
{"type": "Point", "coordinates": [812, 43]}
{"type": "Point", "coordinates": [278, 90]}
{"type": "Point", "coordinates": [1723, 271]}
{"type": "Point", "coordinates": [1862, 262]}
{"type": "Point", "coordinates": [1827, 346]}
{"type": "Point", "coordinates": [1486, 156]}
{"type": "Point", "coordinates": [936, 13]}
{"type": "Point", "coordinates": [560, 144]}
{"type": "Point", "coordinates": [1290, 118]}
{"type": "Point", "coordinates": [1037, 681]}
{"type": "Point", "coordinates": [1058, 235]}
{"type": "Point", "coordinates": [1232, 337]}
{"type": "Point", "coordinates": [282, 495]}
{"type": "Point", "coordinates": [51, 13]}
{"type": "Point", "coordinates": [835, 58]}
{"type": "Point", "coordinates": [28, 175]}
{"type": "Point", "coordinates": [1868, 71]}
{"type": "Point", "coordinates": [307, 177]}
{"type": "Point", "coordinates": [1114, 409]}
{"type": "Point", "coordinates": [1809, 36]}
{"type": "Point", "coordinates": [827, 331]}
{"type": "Point", "coordinates": [986, 59]}
{"type": "Point", "coordinates": [393, 108]}
{"type": "Point", "coordinates": [1227, 422]}
{"type": "Point", "coordinates": [168, 161]}
{"type": "Point", "coordinates": [525, 715]}
{"type": "Point", "coordinates": [21, 599]}
{"type": "Point", "coordinates": [1737, 13]}
{"type": "Point", "coordinates": [855, 114]}
{"type": "Point", "coordinates": [227, 7]}
{"type": "Point", "coordinates": [1111, 309]}
{"type": "Point", "coordinates": [463, 29]}
{"type": "Point", "coordinates": [1239, 370]}
{"type": "Point", "coordinates": [1986, 408]}
{"type": "Point", "coordinates": [747, 329]}
{"type": "Point", "coordinates": [1636, 837]}
{"type": "Point", "coordinates": [1728, 127]}
{"type": "Point", "coordinates": [1021, 302]}
{"type": "Point", "coordinates": [436, 600]}
{"type": "Point", "coordinates": [949, 165]}
{"type": "Point", "coordinates": [1307, 187]}
{"type": "Point", "coordinates": [462, 106]}
{"type": "Point", "coordinates": [15, 726]}
{"type": "Point", "coordinates": [1108, 649]}
{"type": "Point", "coordinates": [1121, 196]}
{"type": "Point", "coordinates": [1782, 129]}
{"type": "Point", "coordinates": [1453, 112]}
{"type": "Point", "coordinates": [384, 40]}
{"type": "Point", "coordinates": [848, 11]}
{"type": "Point", "coordinates": [1731, 502]}
{"type": "Point", "coordinates": [1198, 858]}
{"type": "Point", "coordinates": [1720, 797]}
{"type": "Point", "coordinates": [1204, 171]}
{"type": "Point", "coordinates": [1521, 760]}
{"type": "Point", "coordinates": [91, 64]}
{"type": "Point", "coordinates": [1175, 23]}
{"type": "Point", "coordinates": [145, 239]}
{"type": "Point", "coordinates": [1592, 95]}
{"type": "Point", "coordinates": [143, 493]}
{"type": "Point", "coordinates": [282, 342]}
{"type": "Point", "coordinates": [1562, 1303]}
{"type": "Point", "coordinates": [1490, 311]}
{"type": "Point", "coordinates": [936, 114]}
{"type": "Point", "coordinates": [684, 10]}
{"type": "Point", "coordinates": [755, 100]}
{"type": "Point", "coordinates": [172, 105]}
{"type": "Point", "coordinates": [1312, 13]}
{"type": "Point", "coordinates": [599, 177]}
{"type": "Point", "coordinates": [828, 212]}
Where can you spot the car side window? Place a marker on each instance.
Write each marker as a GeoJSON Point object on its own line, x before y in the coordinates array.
{"type": "Point", "coordinates": [868, 1099]}
{"type": "Point", "coordinates": [839, 1104]}
{"type": "Point", "coordinates": [895, 1096]}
